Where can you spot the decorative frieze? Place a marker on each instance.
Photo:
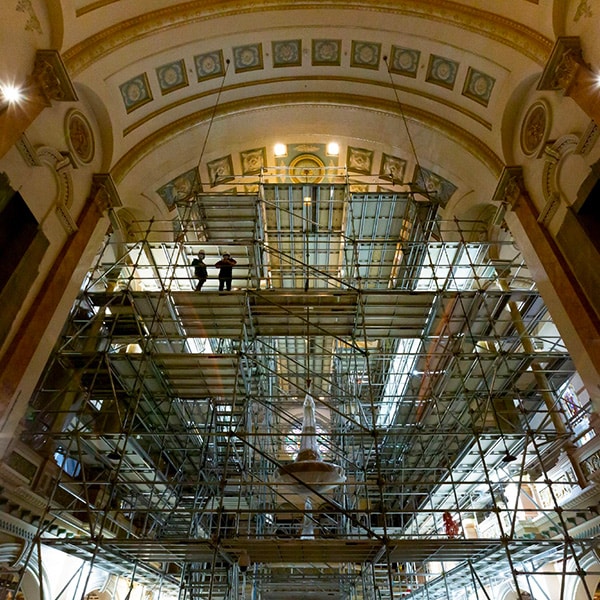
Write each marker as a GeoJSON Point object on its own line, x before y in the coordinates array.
{"type": "Point", "coordinates": [588, 139]}
{"type": "Point", "coordinates": [27, 152]}
{"type": "Point", "coordinates": [591, 465]}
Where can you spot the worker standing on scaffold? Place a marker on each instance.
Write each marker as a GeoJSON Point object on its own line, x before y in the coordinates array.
{"type": "Point", "coordinates": [225, 266]}
{"type": "Point", "coordinates": [200, 270]}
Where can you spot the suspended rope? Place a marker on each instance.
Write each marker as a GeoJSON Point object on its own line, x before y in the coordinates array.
{"type": "Point", "coordinates": [212, 118]}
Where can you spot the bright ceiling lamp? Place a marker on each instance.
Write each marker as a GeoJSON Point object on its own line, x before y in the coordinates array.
{"type": "Point", "coordinates": [10, 94]}
{"type": "Point", "coordinates": [333, 149]}
{"type": "Point", "coordinates": [280, 150]}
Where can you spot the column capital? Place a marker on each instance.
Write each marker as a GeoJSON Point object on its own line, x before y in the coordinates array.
{"type": "Point", "coordinates": [566, 70]}
{"type": "Point", "coordinates": [511, 187]}
{"type": "Point", "coordinates": [104, 193]}
{"type": "Point", "coordinates": [52, 78]}
{"type": "Point", "coordinates": [565, 60]}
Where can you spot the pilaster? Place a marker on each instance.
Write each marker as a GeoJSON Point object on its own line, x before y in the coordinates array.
{"type": "Point", "coordinates": [16, 361]}
{"type": "Point", "coordinates": [559, 284]}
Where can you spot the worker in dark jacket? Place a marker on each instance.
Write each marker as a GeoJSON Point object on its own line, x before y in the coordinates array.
{"type": "Point", "coordinates": [225, 266]}
{"type": "Point", "coordinates": [200, 270]}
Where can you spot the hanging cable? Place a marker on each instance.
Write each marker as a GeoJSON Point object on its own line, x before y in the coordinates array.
{"type": "Point", "coordinates": [404, 120]}
{"type": "Point", "coordinates": [212, 118]}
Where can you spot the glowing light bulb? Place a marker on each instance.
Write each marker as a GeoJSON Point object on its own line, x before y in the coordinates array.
{"type": "Point", "coordinates": [333, 149]}
{"type": "Point", "coordinates": [11, 94]}
{"type": "Point", "coordinates": [280, 150]}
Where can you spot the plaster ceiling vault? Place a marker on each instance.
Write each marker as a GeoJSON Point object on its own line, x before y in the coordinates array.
{"type": "Point", "coordinates": [361, 74]}
{"type": "Point", "coordinates": [396, 288]}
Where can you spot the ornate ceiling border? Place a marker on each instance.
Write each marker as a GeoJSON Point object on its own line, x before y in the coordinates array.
{"type": "Point", "coordinates": [519, 37]}
{"type": "Point", "coordinates": [285, 98]}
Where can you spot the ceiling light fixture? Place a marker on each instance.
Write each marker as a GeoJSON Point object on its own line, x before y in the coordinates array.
{"type": "Point", "coordinates": [280, 150]}
{"type": "Point", "coordinates": [333, 149]}
{"type": "Point", "coordinates": [10, 95]}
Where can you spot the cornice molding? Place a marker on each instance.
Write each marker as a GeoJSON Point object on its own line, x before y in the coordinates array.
{"type": "Point", "coordinates": [471, 143]}
{"type": "Point", "coordinates": [517, 36]}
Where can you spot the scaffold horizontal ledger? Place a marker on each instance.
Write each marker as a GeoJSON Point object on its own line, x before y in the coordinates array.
{"type": "Point", "coordinates": [442, 389]}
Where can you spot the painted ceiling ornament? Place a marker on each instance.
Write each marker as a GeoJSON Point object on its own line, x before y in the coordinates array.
{"type": "Point", "coordinates": [79, 136]}
{"type": "Point", "coordinates": [583, 10]}
{"type": "Point", "coordinates": [326, 52]}
{"type": "Point", "coordinates": [287, 53]}
{"type": "Point", "coordinates": [535, 129]}
{"type": "Point", "coordinates": [136, 92]}
{"type": "Point", "coordinates": [307, 168]}
{"type": "Point", "coordinates": [33, 23]}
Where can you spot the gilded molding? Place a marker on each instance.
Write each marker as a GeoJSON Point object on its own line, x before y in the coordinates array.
{"type": "Point", "coordinates": [92, 6]}
{"type": "Point", "coordinates": [520, 38]}
{"type": "Point", "coordinates": [467, 140]}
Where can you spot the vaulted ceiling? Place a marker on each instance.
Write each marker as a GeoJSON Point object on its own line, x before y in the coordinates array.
{"type": "Point", "coordinates": [186, 97]}
{"type": "Point", "coordinates": [215, 84]}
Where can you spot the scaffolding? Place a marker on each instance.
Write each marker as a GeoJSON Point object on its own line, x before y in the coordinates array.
{"type": "Point", "coordinates": [443, 389]}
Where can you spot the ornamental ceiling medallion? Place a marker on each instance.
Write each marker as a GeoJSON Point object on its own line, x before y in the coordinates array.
{"type": "Point", "coordinates": [535, 129]}
{"type": "Point", "coordinates": [79, 136]}
{"type": "Point", "coordinates": [307, 168]}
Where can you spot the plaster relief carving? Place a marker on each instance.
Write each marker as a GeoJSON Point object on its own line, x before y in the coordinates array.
{"type": "Point", "coordinates": [554, 157]}
{"type": "Point", "coordinates": [79, 136]}
{"type": "Point", "coordinates": [52, 77]}
{"type": "Point", "coordinates": [33, 23]}
{"type": "Point", "coordinates": [61, 166]}
{"type": "Point", "coordinates": [535, 129]}
{"type": "Point", "coordinates": [583, 10]}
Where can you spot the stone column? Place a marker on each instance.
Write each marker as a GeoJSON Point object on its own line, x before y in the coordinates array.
{"type": "Point", "coordinates": [49, 81]}
{"type": "Point", "coordinates": [567, 71]}
{"type": "Point", "coordinates": [572, 313]}
{"type": "Point", "coordinates": [14, 366]}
